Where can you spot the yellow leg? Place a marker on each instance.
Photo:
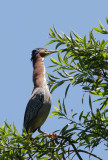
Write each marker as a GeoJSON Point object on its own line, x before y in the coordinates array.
{"type": "Point", "coordinates": [53, 135]}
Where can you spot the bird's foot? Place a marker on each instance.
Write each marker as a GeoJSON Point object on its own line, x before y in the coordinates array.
{"type": "Point", "coordinates": [51, 135]}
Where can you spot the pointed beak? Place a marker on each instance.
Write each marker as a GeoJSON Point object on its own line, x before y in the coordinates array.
{"type": "Point", "coordinates": [50, 52]}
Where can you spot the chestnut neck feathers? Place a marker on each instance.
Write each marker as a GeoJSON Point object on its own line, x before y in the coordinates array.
{"type": "Point", "coordinates": [39, 75]}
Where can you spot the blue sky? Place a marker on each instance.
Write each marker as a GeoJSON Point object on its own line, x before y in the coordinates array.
{"type": "Point", "coordinates": [24, 25]}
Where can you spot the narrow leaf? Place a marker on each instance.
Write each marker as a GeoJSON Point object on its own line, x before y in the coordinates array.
{"type": "Point", "coordinates": [52, 41]}
{"type": "Point", "coordinates": [64, 128]}
{"type": "Point", "coordinates": [62, 75]}
{"type": "Point", "coordinates": [55, 61]}
{"type": "Point", "coordinates": [57, 109]}
{"type": "Point", "coordinates": [53, 34]}
{"type": "Point", "coordinates": [105, 103]}
{"type": "Point", "coordinates": [64, 109]}
{"type": "Point", "coordinates": [84, 42]}
{"type": "Point", "coordinates": [97, 29]}
{"type": "Point", "coordinates": [59, 104]}
{"type": "Point", "coordinates": [67, 88]}
{"type": "Point", "coordinates": [59, 44]}
{"type": "Point", "coordinates": [101, 26]}
{"type": "Point", "coordinates": [90, 104]}
{"type": "Point", "coordinates": [80, 116]}
{"type": "Point", "coordinates": [57, 85]}
{"type": "Point", "coordinates": [101, 44]}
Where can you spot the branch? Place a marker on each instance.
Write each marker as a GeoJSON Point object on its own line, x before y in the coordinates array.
{"type": "Point", "coordinates": [90, 154]}
{"type": "Point", "coordinates": [62, 137]}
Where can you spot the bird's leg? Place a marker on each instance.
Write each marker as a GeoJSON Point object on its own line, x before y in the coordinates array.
{"type": "Point", "coordinates": [53, 135]}
{"type": "Point", "coordinates": [39, 130]}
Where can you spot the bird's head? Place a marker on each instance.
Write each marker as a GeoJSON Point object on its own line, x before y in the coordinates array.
{"type": "Point", "coordinates": [41, 52]}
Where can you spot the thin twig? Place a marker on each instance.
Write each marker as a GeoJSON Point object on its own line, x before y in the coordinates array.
{"type": "Point", "coordinates": [90, 154]}
{"type": "Point", "coordinates": [62, 137]}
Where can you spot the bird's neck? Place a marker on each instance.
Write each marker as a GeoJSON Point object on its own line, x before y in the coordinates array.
{"type": "Point", "coordinates": [39, 74]}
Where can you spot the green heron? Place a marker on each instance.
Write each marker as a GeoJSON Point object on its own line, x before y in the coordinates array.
{"type": "Point", "coordinates": [39, 105]}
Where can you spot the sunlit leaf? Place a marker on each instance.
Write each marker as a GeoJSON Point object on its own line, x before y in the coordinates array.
{"type": "Point", "coordinates": [55, 61]}
{"type": "Point", "coordinates": [97, 29]}
{"type": "Point", "coordinates": [52, 33]}
{"type": "Point", "coordinates": [104, 104]}
{"type": "Point", "coordinates": [57, 109]}
{"type": "Point", "coordinates": [101, 26]}
{"type": "Point", "coordinates": [8, 126]}
{"type": "Point", "coordinates": [58, 113]}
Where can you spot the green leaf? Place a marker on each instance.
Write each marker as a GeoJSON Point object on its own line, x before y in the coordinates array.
{"type": "Point", "coordinates": [60, 37]}
{"type": "Point", "coordinates": [55, 30]}
{"type": "Point", "coordinates": [80, 116]}
{"type": "Point", "coordinates": [59, 104]}
{"type": "Point", "coordinates": [107, 20]}
{"type": "Point", "coordinates": [96, 93]}
{"type": "Point", "coordinates": [57, 109]}
{"type": "Point", "coordinates": [14, 127]}
{"type": "Point", "coordinates": [101, 44]}
{"type": "Point", "coordinates": [59, 57]}
{"type": "Point", "coordinates": [82, 98]}
{"type": "Point", "coordinates": [67, 88]}
{"type": "Point", "coordinates": [84, 41]}
{"type": "Point", "coordinates": [90, 36]}
{"type": "Point", "coordinates": [59, 44]}
{"type": "Point", "coordinates": [101, 26]}
{"type": "Point", "coordinates": [52, 80]}
{"type": "Point", "coordinates": [52, 41]}
{"type": "Point", "coordinates": [52, 33]}
{"type": "Point", "coordinates": [62, 75]}
{"type": "Point", "coordinates": [52, 76]}
{"type": "Point", "coordinates": [57, 85]}
{"type": "Point", "coordinates": [104, 104]}
{"type": "Point", "coordinates": [64, 108]}
{"type": "Point", "coordinates": [77, 37]}
{"type": "Point", "coordinates": [58, 113]}
{"type": "Point", "coordinates": [8, 126]}
{"type": "Point", "coordinates": [97, 29]}
{"type": "Point", "coordinates": [52, 115]}
{"type": "Point", "coordinates": [90, 104]}
{"type": "Point", "coordinates": [64, 129]}
{"type": "Point", "coordinates": [55, 61]}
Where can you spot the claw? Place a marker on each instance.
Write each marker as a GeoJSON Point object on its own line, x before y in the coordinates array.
{"type": "Point", "coordinates": [51, 135]}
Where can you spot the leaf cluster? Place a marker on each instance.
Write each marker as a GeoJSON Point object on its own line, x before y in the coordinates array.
{"type": "Point", "coordinates": [90, 130]}
{"type": "Point", "coordinates": [16, 146]}
{"type": "Point", "coordinates": [81, 61]}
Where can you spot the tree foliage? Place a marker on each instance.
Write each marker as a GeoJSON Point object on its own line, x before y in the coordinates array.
{"type": "Point", "coordinates": [81, 61]}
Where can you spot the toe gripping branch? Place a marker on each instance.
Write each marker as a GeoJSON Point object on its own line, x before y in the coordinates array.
{"type": "Point", "coordinates": [51, 135]}
{"type": "Point", "coordinates": [54, 135]}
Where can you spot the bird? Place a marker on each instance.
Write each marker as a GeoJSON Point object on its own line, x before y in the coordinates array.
{"type": "Point", "coordinates": [39, 104]}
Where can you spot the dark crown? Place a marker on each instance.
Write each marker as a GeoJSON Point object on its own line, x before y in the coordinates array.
{"type": "Point", "coordinates": [35, 52]}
